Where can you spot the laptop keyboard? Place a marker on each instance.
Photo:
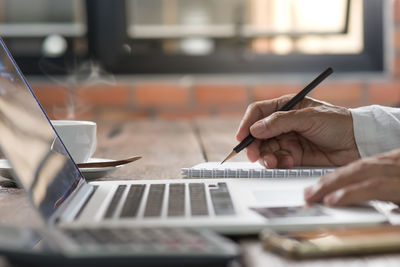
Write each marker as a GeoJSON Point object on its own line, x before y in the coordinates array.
{"type": "Point", "coordinates": [142, 240]}
{"type": "Point", "coordinates": [114, 202]}
{"type": "Point", "coordinates": [221, 200]}
{"type": "Point", "coordinates": [131, 205]}
{"type": "Point", "coordinates": [198, 201]}
{"type": "Point", "coordinates": [176, 201]}
{"type": "Point", "coordinates": [216, 201]}
{"type": "Point", "coordinates": [154, 200]}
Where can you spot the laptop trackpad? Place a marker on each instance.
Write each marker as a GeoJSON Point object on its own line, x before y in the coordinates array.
{"type": "Point", "coordinates": [278, 198]}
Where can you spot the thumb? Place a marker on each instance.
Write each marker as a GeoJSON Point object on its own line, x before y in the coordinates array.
{"type": "Point", "coordinates": [282, 122]}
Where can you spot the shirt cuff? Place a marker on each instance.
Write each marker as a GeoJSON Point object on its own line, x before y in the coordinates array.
{"type": "Point", "coordinates": [376, 129]}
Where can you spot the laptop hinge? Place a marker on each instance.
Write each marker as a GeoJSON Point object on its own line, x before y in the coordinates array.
{"type": "Point", "coordinates": [72, 205]}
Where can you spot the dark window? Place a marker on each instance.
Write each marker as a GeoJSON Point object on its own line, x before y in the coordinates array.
{"type": "Point", "coordinates": [45, 36]}
{"type": "Point", "coordinates": [226, 36]}
{"type": "Point", "coordinates": [203, 36]}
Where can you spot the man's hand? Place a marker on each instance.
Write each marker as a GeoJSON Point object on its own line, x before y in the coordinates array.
{"type": "Point", "coordinates": [374, 178]}
{"type": "Point", "coordinates": [314, 133]}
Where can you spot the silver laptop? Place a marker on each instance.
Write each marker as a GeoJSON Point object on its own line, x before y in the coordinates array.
{"type": "Point", "coordinates": [63, 197]}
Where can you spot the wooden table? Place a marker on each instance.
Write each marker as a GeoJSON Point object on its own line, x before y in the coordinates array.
{"type": "Point", "coordinates": [166, 147]}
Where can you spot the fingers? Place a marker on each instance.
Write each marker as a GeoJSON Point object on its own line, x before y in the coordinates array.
{"type": "Point", "coordinates": [281, 159]}
{"type": "Point", "coordinates": [253, 113]}
{"type": "Point", "coordinates": [376, 188]}
{"type": "Point", "coordinates": [284, 159]}
{"type": "Point", "coordinates": [253, 151]}
{"type": "Point", "coordinates": [263, 121]}
{"type": "Point", "coordinates": [271, 157]}
{"type": "Point", "coordinates": [282, 122]}
{"type": "Point", "coordinates": [270, 146]}
{"type": "Point", "coordinates": [276, 153]}
{"type": "Point", "coordinates": [269, 161]}
{"type": "Point", "coordinates": [333, 181]}
{"type": "Point", "coordinates": [257, 111]}
{"type": "Point", "coordinates": [363, 180]}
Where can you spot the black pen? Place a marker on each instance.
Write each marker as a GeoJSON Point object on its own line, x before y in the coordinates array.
{"type": "Point", "coordinates": [289, 105]}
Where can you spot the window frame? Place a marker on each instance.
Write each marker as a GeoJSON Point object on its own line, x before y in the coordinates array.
{"type": "Point", "coordinates": [106, 35]}
{"type": "Point", "coordinates": [110, 41]}
{"type": "Point", "coordinates": [18, 36]}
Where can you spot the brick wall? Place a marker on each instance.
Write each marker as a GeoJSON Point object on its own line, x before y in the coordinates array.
{"type": "Point", "coordinates": [168, 98]}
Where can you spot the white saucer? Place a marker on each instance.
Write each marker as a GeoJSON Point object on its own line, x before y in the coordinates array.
{"type": "Point", "coordinates": [88, 173]}
{"type": "Point", "coordinates": [94, 173]}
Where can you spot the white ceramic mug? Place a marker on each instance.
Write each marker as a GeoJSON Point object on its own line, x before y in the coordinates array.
{"type": "Point", "coordinates": [79, 137]}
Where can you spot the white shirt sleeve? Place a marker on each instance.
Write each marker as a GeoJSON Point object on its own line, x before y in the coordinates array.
{"type": "Point", "coordinates": [376, 129]}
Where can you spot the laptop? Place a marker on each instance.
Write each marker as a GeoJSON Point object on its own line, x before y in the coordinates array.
{"type": "Point", "coordinates": [64, 199]}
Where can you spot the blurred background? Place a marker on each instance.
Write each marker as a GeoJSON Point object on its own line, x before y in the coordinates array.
{"type": "Point", "coordinates": [120, 60]}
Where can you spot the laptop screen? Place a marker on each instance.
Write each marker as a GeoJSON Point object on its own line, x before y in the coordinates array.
{"type": "Point", "coordinates": [39, 160]}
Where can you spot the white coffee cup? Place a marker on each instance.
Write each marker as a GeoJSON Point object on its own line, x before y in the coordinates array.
{"type": "Point", "coordinates": [79, 137]}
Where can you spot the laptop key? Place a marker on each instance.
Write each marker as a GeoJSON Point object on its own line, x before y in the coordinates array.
{"type": "Point", "coordinates": [132, 201]}
{"type": "Point", "coordinates": [198, 201]}
{"type": "Point", "coordinates": [176, 202]}
{"type": "Point", "coordinates": [154, 200]}
{"type": "Point", "coordinates": [221, 200]}
{"type": "Point", "coordinates": [114, 202]}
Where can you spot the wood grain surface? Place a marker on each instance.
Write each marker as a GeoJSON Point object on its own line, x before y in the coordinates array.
{"type": "Point", "coordinates": [217, 137]}
{"type": "Point", "coordinates": [166, 147]}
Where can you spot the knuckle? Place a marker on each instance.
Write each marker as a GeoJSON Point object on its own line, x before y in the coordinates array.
{"type": "Point", "coordinates": [278, 115]}
{"type": "Point", "coordinates": [273, 116]}
{"type": "Point", "coordinates": [313, 113]}
{"type": "Point", "coordinates": [252, 106]}
{"type": "Point", "coordinates": [363, 166]}
{"type": "Point", "coordinates": [344, 193]}
{"type": "Point", "coordinates": [256, 105]}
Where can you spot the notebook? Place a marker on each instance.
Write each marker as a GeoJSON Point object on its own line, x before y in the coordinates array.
{"type": "Point", "coordinates": [248, 170]}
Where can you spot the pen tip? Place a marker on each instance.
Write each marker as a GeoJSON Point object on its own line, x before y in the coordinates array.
{"type": "Point", "coordinates": [233, 153]}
